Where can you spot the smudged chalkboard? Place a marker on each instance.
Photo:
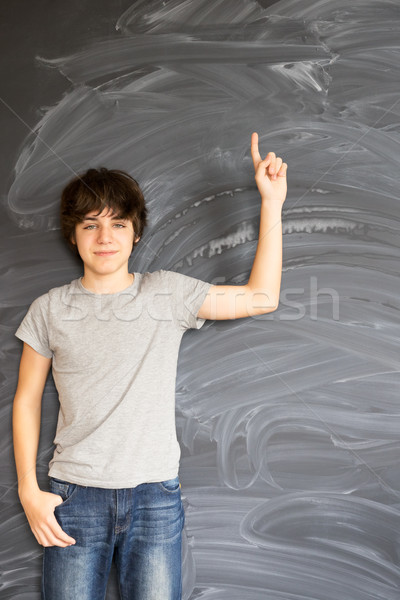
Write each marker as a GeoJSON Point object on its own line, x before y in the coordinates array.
{"type": "Point", "coordinates": [289, 422]}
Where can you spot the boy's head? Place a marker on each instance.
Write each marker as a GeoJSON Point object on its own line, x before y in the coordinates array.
{"type": "Point", "coordinates": [97, 189]}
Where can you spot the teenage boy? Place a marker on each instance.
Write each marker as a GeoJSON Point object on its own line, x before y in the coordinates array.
{"type": "Point", "coordinates": [112, 338]}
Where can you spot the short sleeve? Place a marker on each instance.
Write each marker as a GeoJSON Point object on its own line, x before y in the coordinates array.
{"type": "Point", "coordinates": [34, 327]}
{"type": "Point", "coordinates": [187, 296]}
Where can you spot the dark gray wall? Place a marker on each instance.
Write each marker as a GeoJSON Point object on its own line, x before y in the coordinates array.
{"type": "Point", "coordinates": [289, 422]}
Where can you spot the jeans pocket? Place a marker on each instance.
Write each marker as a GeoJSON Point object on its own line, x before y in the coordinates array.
{"type": "Point", "coordinates": [63, 489]}
{"type": "Point", "coordinates": [170, 485]}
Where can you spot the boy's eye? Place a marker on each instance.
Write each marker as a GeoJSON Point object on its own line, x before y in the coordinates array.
{"type": "Point", "coordinates": [118, 225]}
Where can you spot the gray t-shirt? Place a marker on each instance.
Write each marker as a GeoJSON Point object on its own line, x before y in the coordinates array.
{"type": "Point", "coordinates": [114, 361]}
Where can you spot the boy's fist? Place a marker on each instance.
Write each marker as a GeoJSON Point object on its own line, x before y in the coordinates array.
{"type": "Point", "coordinates": [270, 174]}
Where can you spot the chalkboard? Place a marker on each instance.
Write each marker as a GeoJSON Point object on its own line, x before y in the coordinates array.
{"type": "Point", "coordinates": [288, 422]}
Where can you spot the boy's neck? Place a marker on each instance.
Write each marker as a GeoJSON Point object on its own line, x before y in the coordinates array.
{"type": "Point", "coordinates": [107, 284]}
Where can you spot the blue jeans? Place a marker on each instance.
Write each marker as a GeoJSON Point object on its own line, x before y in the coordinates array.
{"type": "Point", "coordinates": [140, 527]}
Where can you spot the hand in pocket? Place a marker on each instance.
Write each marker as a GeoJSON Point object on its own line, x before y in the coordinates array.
{"type": "Point", "coordinates": [39, 510]}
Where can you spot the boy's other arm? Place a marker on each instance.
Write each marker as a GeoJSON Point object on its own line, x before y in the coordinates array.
{"type": "Point", "coordinates": [261, 293]}
{"type": "Point", "coordinates": [33, 371]}
{"type": "Point", "coordinates": [38, 506]}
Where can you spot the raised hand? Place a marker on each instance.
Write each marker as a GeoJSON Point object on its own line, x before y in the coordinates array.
{"type": "Point", "coordinates": [270, 174]}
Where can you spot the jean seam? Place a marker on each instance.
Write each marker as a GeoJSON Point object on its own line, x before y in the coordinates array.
{"type": "Point", "coordinates": [43, 594]}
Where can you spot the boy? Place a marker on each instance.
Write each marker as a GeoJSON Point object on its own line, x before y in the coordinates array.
{"type": "Point", "coordinates": [112, 338]}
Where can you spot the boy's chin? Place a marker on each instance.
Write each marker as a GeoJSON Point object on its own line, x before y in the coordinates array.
{"type": "Point", "coordinates": [106, 270]}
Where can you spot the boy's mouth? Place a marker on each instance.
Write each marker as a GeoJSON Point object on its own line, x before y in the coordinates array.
{"type": "Point", "coordinates": [104, 253]}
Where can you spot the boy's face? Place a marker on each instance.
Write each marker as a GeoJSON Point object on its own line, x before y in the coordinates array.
{"type": "Point", "coordinates": [104, 242]}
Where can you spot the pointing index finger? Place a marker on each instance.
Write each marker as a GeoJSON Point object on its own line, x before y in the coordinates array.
{"type": "Point", "coordinates": [254, 149]}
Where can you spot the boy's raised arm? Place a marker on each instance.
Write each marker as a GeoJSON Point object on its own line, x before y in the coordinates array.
{"type": "Point", "coordinates": [261, 293]}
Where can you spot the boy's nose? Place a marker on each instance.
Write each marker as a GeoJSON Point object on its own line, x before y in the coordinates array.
{"type": "Point", "coordinates": [104, 235]}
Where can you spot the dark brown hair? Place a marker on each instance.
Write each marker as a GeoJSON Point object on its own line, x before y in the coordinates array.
{"type": "Point", "coordinates": [97, 189]}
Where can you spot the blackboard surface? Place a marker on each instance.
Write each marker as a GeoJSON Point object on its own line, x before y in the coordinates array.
{"type": "Point", "coordinates": [289, 422]}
